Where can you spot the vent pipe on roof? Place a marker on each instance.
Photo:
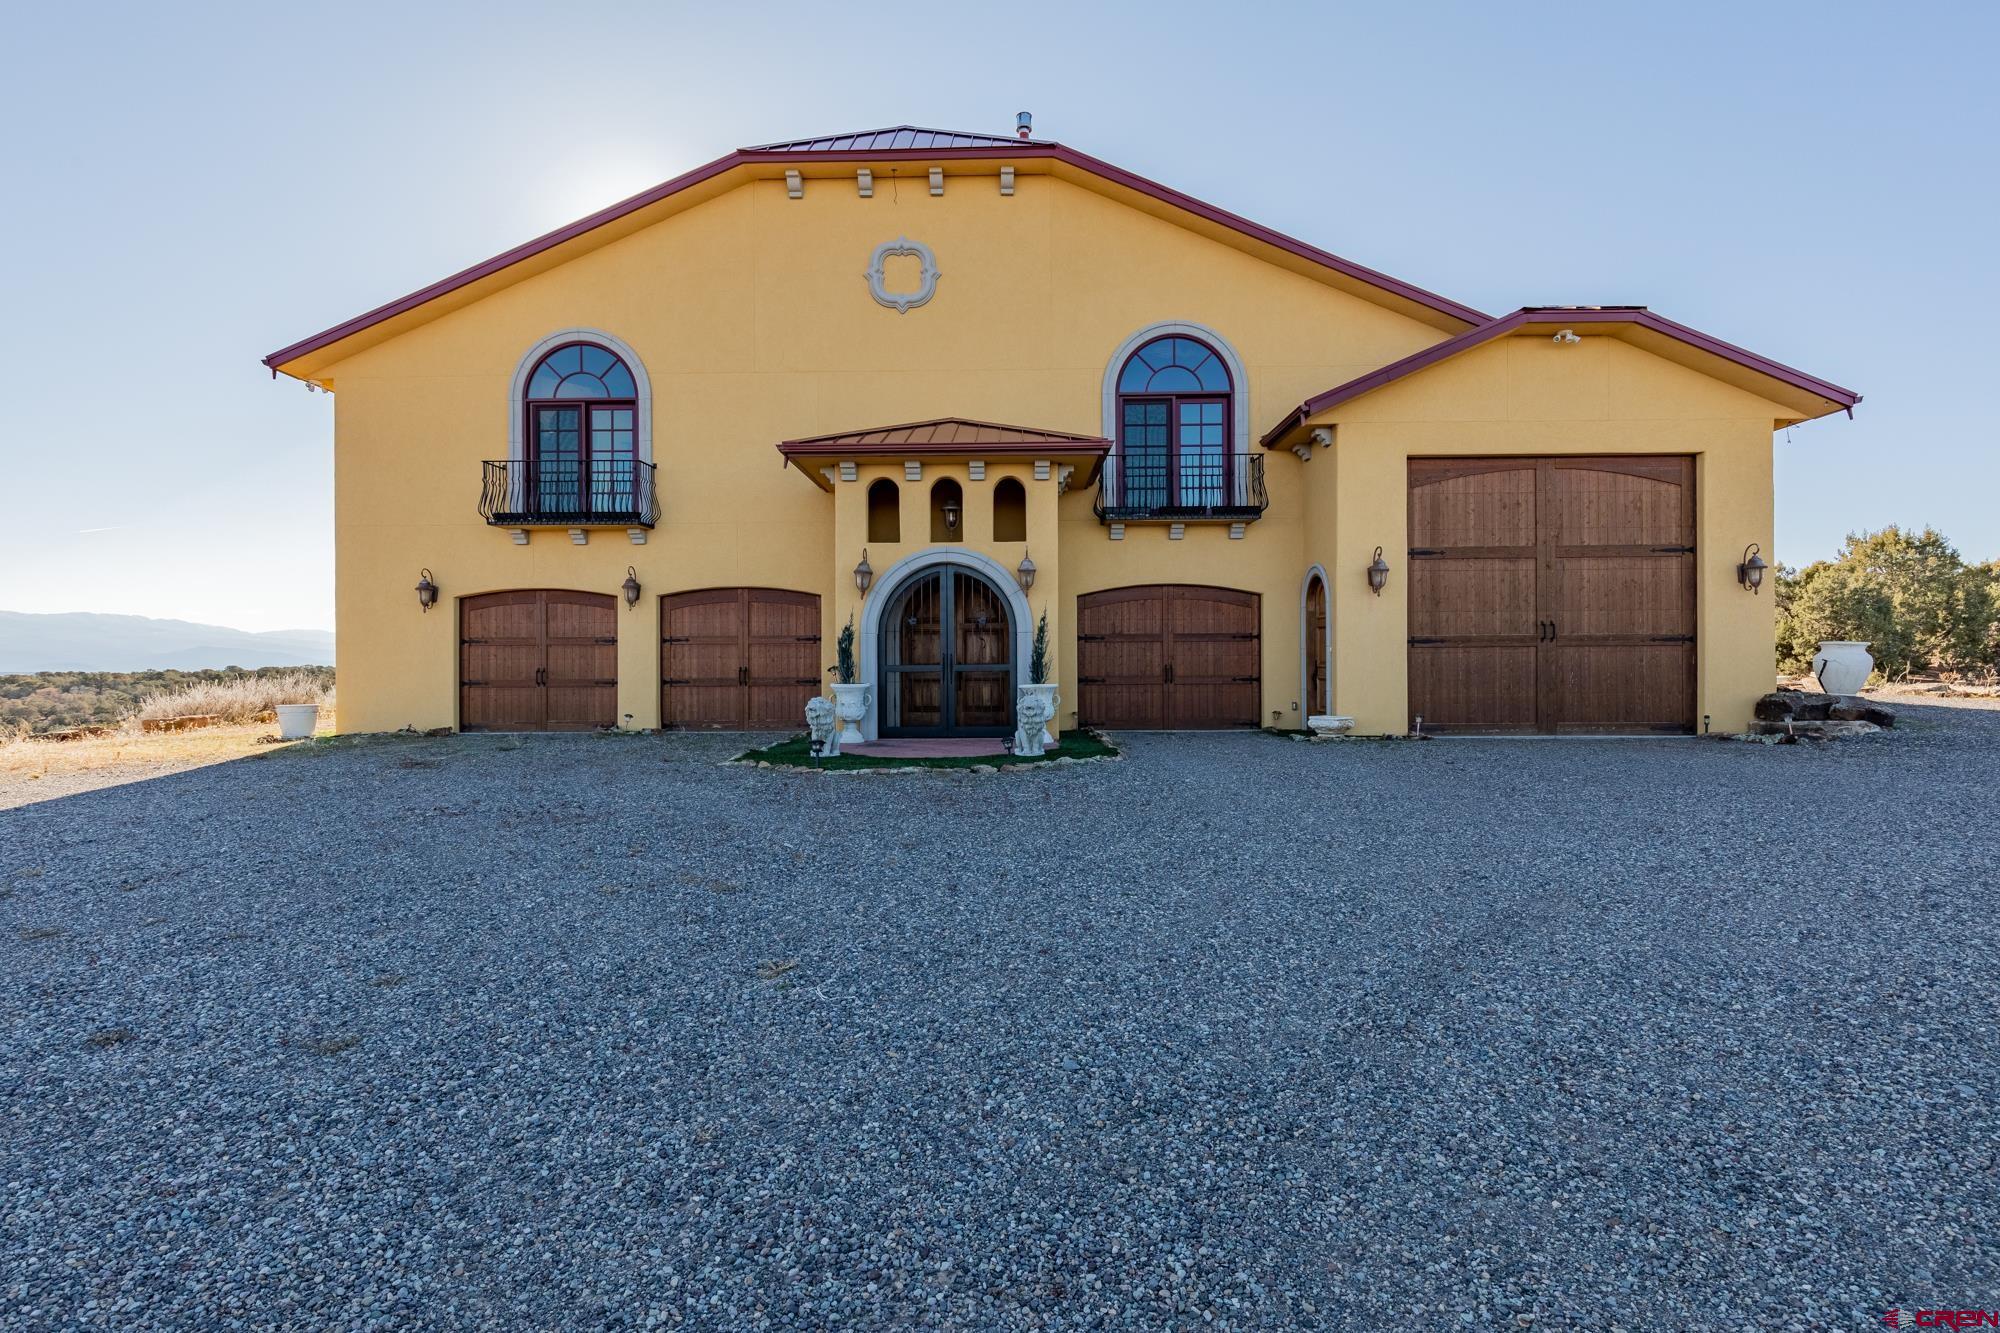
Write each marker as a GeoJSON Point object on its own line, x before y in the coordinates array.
{"type": "Point", "coordinates": [1024, 124]}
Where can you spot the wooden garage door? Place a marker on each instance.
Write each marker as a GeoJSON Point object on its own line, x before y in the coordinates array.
{"type": "Point", "coordinates": [1552, 594]}
{"type": "Point", "coordinates": [538, 660]}
{"type": "Point", "coordinates": [1168, 655]}
{"type": "Point", "coordinates": [738, 659]}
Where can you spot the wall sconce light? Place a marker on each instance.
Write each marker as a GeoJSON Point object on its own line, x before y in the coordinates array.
{"type": "Point", "coordinates": [1026, 573]}
{"type": "Point", "coordinates": [951, 515]}
{"type": "Point", "coordinates": [1378, 573]}
{"type": "Point", "coordinates": [864, 573]}
{"type": "Point", "coordinates": [1751, 572]}
{"type": "Point", "coordinates": [427, 592]}
{"type": "Point", "coordinates": [631, 586]}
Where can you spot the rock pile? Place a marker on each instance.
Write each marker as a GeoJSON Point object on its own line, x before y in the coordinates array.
{"type": "Point", "coordinates": [1825, 716]}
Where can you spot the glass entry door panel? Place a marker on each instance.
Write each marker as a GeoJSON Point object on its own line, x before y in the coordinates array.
{"type": "Point", "coordinates": [947, 658]}
{"type": "Point", "coordinates": [982, 678]}
{"type": "Point", "coordinates": [913, 665]}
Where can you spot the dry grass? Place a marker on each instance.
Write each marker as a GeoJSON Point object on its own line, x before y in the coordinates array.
{"type": "Point", "coordinates": [237, 700]}
{"type": "Point", "coordinates": [34, 769]}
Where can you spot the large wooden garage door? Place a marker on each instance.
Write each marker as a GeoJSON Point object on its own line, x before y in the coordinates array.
{"type": "Point", "coordinates": [1552, 594]}
{"type": "Point", "coordinates": [1168, 655]}
{"type": "Point", "coordinates": [738, 659]}
{"type": "Point", "coordinates": [538, 660]}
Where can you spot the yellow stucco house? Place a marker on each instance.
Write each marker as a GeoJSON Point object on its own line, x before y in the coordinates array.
{"type": "Point", "coordinates": [944, 385]}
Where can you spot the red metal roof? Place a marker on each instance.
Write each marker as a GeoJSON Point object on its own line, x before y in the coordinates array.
{"type": "Point", "coordinates": [973, 147]}
{"type": "Point", "coordinates": [895, 138]}
{"type": "Point", "coordinates": [946, 435]}
{"type": "Point", "coordinates": [1636, 315]}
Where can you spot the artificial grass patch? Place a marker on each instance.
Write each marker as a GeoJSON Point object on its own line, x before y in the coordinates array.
{"type": "Point", "coordinates": [797, 753]}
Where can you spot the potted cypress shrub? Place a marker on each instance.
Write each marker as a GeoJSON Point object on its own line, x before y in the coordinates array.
{"type": "Point", "coordinates": [1039, 683]}
{"type": "Point", "coordinates": [850, 701]}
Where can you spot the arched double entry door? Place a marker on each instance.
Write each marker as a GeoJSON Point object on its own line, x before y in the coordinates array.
{"type": "Point", "coordinates": [946, 655]}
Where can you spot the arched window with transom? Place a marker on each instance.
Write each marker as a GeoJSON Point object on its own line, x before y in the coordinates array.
{"type": "Point", "coordinates": [1175, 415]}
{"type": "Point", "coordinates": [580, 431]}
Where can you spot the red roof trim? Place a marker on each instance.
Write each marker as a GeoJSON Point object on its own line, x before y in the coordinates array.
{"type": "Point", "coordinates": [1019, 150]}
{"type": "Point", "coordinates": [1636, 315]}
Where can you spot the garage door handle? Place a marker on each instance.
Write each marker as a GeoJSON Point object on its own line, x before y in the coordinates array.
{"type": "Point", "coordinates": [743, 675]}
{"type": "Point", "coordinates": [1167, 673]}
{"type": "Point", "coordinates": [1553, 636]}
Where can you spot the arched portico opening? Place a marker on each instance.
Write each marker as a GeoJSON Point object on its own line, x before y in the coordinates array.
{"type": "Point", "coordinates": [944, 640]}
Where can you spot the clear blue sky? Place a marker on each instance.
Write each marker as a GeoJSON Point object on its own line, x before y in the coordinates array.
{"type": "Point", "coordinates": [190, 187]}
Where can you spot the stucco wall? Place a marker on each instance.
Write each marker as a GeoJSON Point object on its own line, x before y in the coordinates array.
{"type": "Point", "coordinates": [754, 324]}
{"type": "Point", "coordinates": [1527, 395]}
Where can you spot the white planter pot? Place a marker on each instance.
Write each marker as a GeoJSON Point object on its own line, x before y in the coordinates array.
{"type": "Point", "coordinates": [850, 705]}
{"type": "Point", "coordinates": [296, 722]}
{"type": "Point", "coordinates": [1329, 724]}
{"type": "Point", "coordinates": [1842, 665]}
{"type": "Point", "coordinates": [1046, 690]}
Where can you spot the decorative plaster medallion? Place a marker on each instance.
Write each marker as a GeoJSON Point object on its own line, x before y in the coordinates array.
{"type": "Point", "coordinates": [926, 283]}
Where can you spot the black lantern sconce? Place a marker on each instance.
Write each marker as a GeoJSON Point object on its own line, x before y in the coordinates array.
{"type": "Point", "coordinates": [864, 573]}
{"type": "Point", "coordinates": [1025, 574]}
{"type": "Point", "coordinates": [427, 592]}
{"type": "Point", "coordinates": [1751, 572]}
{"type": "Point", "coordinates": [631, 586]}
{"type": "Point", "coordinates": [950, 508]}
{"type": "Point", "coordinates": [1378, 573]}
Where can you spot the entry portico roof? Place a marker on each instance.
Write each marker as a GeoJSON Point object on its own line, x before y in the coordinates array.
{"type": "Point", "coordinates": [945, 437]}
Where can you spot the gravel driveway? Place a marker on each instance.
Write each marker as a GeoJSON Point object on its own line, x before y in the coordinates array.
{"type": "Point", "coordinates": [581, 1032]}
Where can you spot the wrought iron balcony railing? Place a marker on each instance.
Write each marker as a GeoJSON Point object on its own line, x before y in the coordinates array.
{"type": "Point", "coordinates": [570, 493]}
{"type": "Point", "coordinates": [1192, 487]}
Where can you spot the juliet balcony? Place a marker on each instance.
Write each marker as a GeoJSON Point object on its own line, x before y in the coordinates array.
{"type": "Point", "coordinates": [569, 493]}
{"type": "Point", "coordinates": [1191, 488]}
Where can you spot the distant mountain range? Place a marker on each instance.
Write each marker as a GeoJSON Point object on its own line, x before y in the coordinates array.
{"type": "Point", "coordinates": [84, 641]}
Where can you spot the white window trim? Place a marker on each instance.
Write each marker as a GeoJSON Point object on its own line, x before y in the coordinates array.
{"type": "Point", "coordinates": [1239, 380]}
{"type": "Point", "coordinates": [516, 394]}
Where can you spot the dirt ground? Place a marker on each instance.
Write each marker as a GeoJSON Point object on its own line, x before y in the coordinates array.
{"type": "Point", "coordinates": [41, 770]}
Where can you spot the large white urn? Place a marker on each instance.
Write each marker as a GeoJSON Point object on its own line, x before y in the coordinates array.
{"type": "Point", "coordinates": [850, 705]}
{"type": "Point", "coordinates": [1842, 665]}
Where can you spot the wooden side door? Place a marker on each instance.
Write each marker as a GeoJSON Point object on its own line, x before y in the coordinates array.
{"type": "Point", "coordinates": [701, 659]}
{"type": "Point", "coordinates": [1618, 594]}
{"type": "Point", "coordinates": [1214, 658]}
{"type": "Point", "coordinates": [538, 660]}
{"type": "Point", "coordinates": [735, 659]}
{"type": "Point", "coordinates": [1121, 658]}
{"type": "Point", "coordinates": [781, 653]}
{"type": "Point", "coordinates": [1475, 562]}
{"type": "Point", "coordinates": [500, 662]}
{"type": "Point", "coordinates": [579, 660]}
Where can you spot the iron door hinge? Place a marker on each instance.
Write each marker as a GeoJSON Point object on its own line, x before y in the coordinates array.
{"type": "Point", "coordinates": [672, 681]}
{"type": "Point", "coordinates": [1090, 638]}
{"type": "Point", "coordinates": [1090, 680]}
{"type": "Point", "coordinates": [1673, 550]}
{"type": "Point", "coordinates": [676, 638]}
{"type": "Point", "coordinates": [1672, 638]}
{"type": "Point", "coordinates": [1245, 680]}
{"type": "Point", "coordinates": [1418, 640]}
{"type": "Point", "coordinates": [1426, 550]}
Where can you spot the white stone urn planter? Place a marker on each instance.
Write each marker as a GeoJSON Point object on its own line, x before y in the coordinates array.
{"type": "Point", "coordinates": [1323, 725]}
{"type": "Point", "coordinates": [850, 705]}
{"type": "Point", "coordinates": [297, 722]}
{"type": "Point", "coordinates": [1843, 665]}
{"type": "Point", "coordinates": [1046, 690]}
